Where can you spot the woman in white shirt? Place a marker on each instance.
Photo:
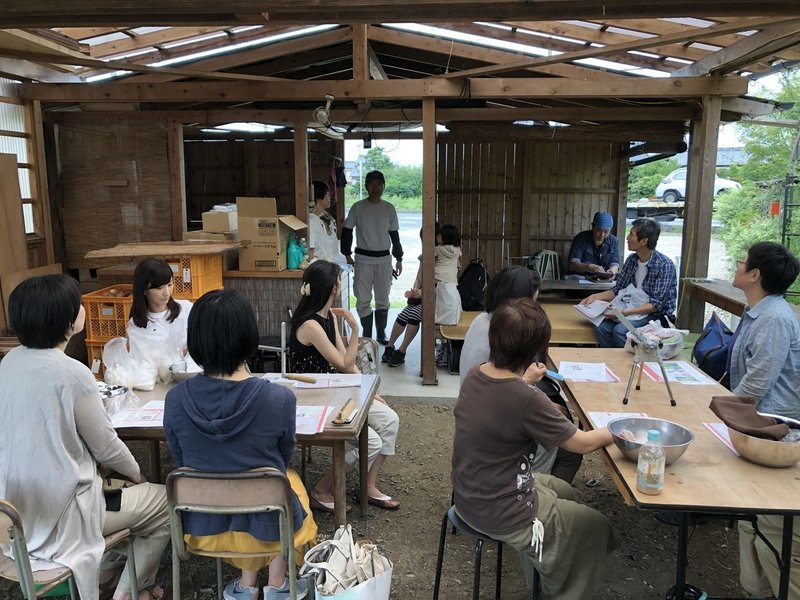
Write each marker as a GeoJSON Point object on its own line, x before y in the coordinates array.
{"type": "Point", "coordinates": [157, 326]}
{"type": "Point", "coordinates": [322, 240]}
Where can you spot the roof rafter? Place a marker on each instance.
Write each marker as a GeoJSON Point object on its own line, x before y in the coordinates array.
{"type": "Point", "coordinates": [765, 43]}
{"type": "Point", "coordinates": [623, 47]}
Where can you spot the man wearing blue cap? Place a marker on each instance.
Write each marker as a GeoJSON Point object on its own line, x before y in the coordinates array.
{"type": "Point", "coordinates": [595, 250]}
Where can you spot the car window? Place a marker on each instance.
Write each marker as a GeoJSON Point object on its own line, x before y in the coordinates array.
{"type": "Point", "coordinates": [679, 176]}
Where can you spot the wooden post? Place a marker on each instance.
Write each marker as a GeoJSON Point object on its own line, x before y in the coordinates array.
{"type": "Point", "coordinates": [428, 242]}
{"type": "Point", "coordinates": [177, 179]}
{"type": "Point", "coordinates": [301, 180]}
{"type": "Point", "coordinates": [697, 210]}
{"type": "Point", "coordinates": [360, 53]}
{"type": "Point", "coordinates": [40, 175]}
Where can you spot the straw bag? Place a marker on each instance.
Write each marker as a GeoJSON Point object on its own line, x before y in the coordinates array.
{"type": "Point", "coordinates": [346, 569]}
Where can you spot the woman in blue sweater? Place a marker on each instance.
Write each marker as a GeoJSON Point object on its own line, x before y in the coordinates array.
{"type": "Point", "coordinates": [227, 420]}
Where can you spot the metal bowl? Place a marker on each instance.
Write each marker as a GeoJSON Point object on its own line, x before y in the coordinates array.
{"type": "Point", "coordinates": [674, 438]}
{"type": "Point", "coordinates": [767, 453]}
{"type": "Point", "coordinates": [179, 372]}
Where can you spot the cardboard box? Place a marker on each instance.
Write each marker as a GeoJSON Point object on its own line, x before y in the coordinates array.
{"type": "Point", "coordinates": [220, 222]}
{"type": "Point", "coordinates": [230, 258]}
{"type": "Point", "coordinates": [264, 234]}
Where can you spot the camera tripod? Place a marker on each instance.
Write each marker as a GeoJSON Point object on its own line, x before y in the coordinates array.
{"type": "Point", "coordinates": [644, 350]}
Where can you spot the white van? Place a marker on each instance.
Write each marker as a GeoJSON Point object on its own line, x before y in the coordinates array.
{"type": "Point", "coordinates": [673, 187]}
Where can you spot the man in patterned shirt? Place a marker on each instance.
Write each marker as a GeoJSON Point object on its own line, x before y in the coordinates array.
{"type": "Point", "coordinates": [649, 271]}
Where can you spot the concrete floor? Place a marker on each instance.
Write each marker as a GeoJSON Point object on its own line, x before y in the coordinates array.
{"type": "Point", "coordinates": [404, 382]}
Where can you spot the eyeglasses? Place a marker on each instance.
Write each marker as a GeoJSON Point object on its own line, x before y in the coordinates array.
{"type": "Point", "coordinates": [743, 263]}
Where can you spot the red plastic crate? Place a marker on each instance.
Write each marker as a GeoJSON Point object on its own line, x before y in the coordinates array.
{"type": "Point", "coordinates": [106, 315]}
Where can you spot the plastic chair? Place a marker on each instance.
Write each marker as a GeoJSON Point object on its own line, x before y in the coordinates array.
{"type": "Point", "coordinates": [246, 492]}
{"type": "Point", "coordinates": [459, 524]}
{"type": "Point", "coordinates": [19, 569]}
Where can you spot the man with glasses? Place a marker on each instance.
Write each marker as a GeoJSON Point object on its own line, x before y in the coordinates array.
{"type": "Point", "coordinates": [595, 250]}
{"type": "Point", "coordinates": [765, 364]}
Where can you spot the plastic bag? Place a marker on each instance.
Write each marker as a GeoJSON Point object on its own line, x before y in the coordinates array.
{"type": "Point", "coordinates": [127, 369]}
{"type": "Point", "coordinates": [117, 397]}
{"type": "Point", "coordinates": [671, 338]}
{"type": "Point", "coordinates": [630, 297]}
{"type": "Point", "coordinates": [160, 352]}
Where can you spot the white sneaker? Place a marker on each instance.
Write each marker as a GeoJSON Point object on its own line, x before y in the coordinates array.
{"type": "Point", "coordinates": [232, 591]}
{"type": "Point", "coordinates": [282, 593]}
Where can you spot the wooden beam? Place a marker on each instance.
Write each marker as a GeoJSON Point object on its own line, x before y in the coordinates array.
{"type": "Point", "coordinates": [376, 70]}
{"type": "Point", "coordinates": [769, 40]}
{"type": "Point", "coordinates": [263, 53]}
{"type": "Point", "coordinates": [697, 210]}
{"type": "Point", "coordinates": [29, 71]}
{"type": "Point", "coordinates": [98, 13]}
{"type": "Point", "coordinates": [747, 107]}
{"type": "Point", "coordinates": [479, 53]}
{"type": "Point", "coordinates": [177, 179]}
{"type": "Point", "coordinates": [635, 44]}
{"type": "Point", "coordinates": [152, 39]}
{"type": "Point", "coordinates": [118, 65]}
{"type": "Point", "coordinates": [210, 118]}
{"type": "Point", "coordinates": [237, 91]}
{"type": "Point", "coordinates": [671, 132]}
{"type": "Point", "coordinates": [360, 53]}
{"type": "Point", "coordinates": [41, 188]}
{"type": "Point", "coordinates": [428, 242]}
{"type": "Point", "coordinates": [301, 172]}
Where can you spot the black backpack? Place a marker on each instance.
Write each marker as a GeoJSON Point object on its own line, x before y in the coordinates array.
{"type": "Point", "coordinates": [472, 284]}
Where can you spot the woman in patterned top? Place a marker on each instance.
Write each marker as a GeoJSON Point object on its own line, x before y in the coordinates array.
{"type": "Point", "coordinates": [316, 346]}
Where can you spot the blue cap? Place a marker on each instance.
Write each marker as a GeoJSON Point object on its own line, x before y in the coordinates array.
{"type": "Point", "coordinates": [603, 220]}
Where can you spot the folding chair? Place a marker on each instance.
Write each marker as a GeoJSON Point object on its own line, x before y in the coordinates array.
{"type": "Point", "coordinates": [246, 492]}
{"type": "Point", "coordinates": [19, 568]}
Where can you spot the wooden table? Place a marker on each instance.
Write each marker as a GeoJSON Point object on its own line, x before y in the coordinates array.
{"type": "Point", "coordinates": [721, 293]}
{"type": "Point", "coordinates": [335, 436]}
{"type": "Point", "coordinates": [569, 327]}
{"type": "Point", "coordinates": [572, 285]}
{"type": "Point", "coordinates": [707, 478]}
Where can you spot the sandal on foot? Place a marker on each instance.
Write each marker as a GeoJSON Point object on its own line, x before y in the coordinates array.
{"type": "Point", "coordinates": [386, 502]}
{"type": "Point", "coordinates": [323, 506]}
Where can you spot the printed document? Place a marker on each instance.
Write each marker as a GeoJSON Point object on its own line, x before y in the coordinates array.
{"type": "Point", "coordinates": [594, 311]}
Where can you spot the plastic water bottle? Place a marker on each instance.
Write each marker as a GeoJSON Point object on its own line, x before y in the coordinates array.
{"type": "Point", "coordinates": [304, 246]}
{"type": "Point", "coordinates": [650, 467]}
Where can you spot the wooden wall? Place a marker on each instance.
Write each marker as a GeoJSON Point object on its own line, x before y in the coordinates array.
{"type": "Point", "coordinates": [512, 198]}
{"type": "Point", "coordinates": [113, 180]}
{"type": "Point", "coordinates": [219, 171]}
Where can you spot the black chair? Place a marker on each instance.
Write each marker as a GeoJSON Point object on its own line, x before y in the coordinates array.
{"type": "Point", "coordinates": [458, 524]}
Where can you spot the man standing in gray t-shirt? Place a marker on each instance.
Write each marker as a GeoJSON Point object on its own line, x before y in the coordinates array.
{"type": "Point", "coordinates": [375, 222]}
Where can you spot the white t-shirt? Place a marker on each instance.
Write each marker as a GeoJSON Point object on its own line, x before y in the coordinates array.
{"type": "Point", "coordinates": [323, 240]}
{"type": "Point", "coordinates": [641, 273]}
{"type": "Point", "coordinates": [162, 341]}
{"type": "Point", "coordinates": [448, 262]}
{"type": "Point", "coordinates": [372, 223]}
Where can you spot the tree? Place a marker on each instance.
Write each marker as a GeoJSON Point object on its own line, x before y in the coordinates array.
{"type": "Point", "coordinates": [768, 147]}
{"type": "Point", "coordinates": [642, 180]}
{"type": "Point", "coordinates": [403, 183]}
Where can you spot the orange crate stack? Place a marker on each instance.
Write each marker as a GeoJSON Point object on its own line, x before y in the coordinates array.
{"type": "Point", "coordinates": [106, 314]}
{"type": "Point", "coordinates": [195, 275]}
{"type": "Point", "coordinates": [94, 350]}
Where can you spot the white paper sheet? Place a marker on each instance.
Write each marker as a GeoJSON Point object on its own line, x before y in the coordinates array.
{"type": "Point", "coordinates": [311, 419]}
{"type": "Point", "coordinates": [678, 371]}
{"type": "Point", "coordinates": [332, 381]}
{"type": "Point", "coordinates": [720, 431]}
{"type": "Point", "coordinates": [581, 371]}
{"type": "Point", "coordinates": [594, 312]}
{"type": "Point", "coordinates": [147, 415]}
{"type": "Point", "coordinates": [601, 419]}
